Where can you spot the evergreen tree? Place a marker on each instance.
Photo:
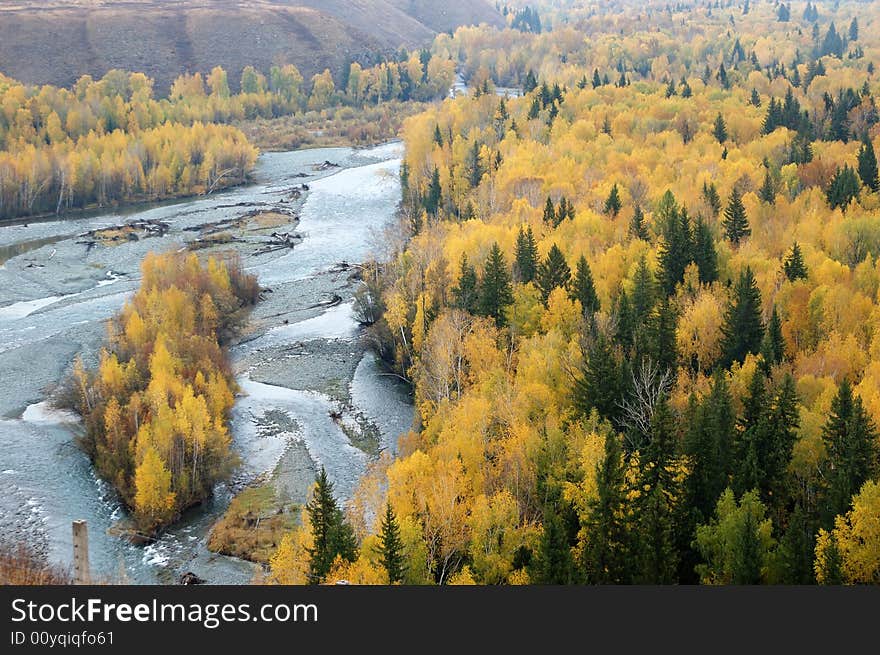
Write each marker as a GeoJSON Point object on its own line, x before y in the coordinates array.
{"type": "Point", "coordinates": [854, 30]}
{"type": "Point", "coordinates": [704, 254]}
{"type": "Point", "coordinates": [829, 565]}
{"type": "Point", "coordinates": [773, 118]}
{"type": "Point", "coordinates": [776, 443]}
{"type": "Point", "coordinates": [851, 443]}
{"type": "Point", "coordinates": [686, 91]}
{"type": "Point", "coordinates": [534, 108]}
{"type": "Point", "coordinates": [625, 328]}
{"type": "Point", "coordinates": [743, 329]}
{"type": "Point", "coordinates": [554, 564]}
{"type": "Point", "coordinates": [583, 289]}
{"type": "Point", "coordinates": [475, 168]}
{"type": "Point", "coordinates": [747, 556]}
{"type": "Point", "coordinates": [438, 136]}
{"type": "Point", "coordinates": [676, 246]}
{"type": "Point", "coordinates": [736, 224]}
{"type": "Point", "coordinates": [868, 164]}
{"type": "Point", "coordinates": [550, 213]}
{"type": "Point", "coordinates": [530, 83]}
{"type": "Point", "coordinates": [843, 189]}
{"type": "Point", "coordinates": [722, 76]}
{"type": "Point", "coordinates": [596, 81]}
{"type": "Point", "coordinates": [670, 89]}
{"type": "Point", "coordinates": [644, 294]}
{"type": "Point", "coordinates": [604, 556]}
{"type": "Point", "coordinates": [719, 130]}
{"type": "Point", "coordinates": [656, 558]}
{"type": "Point", "coordinates": [663, 347]}
{"type": "Point", "coordinates": [775, 348]}
{"type": "Point", "coordinates": [526, 261]}
{"type": "Point", "coordinates": [433, 195]}
{"type": "Point", "coordinates": [332, 536]}
{"type": "Point", "coordinates": [767, 193]}
{"type": "Point", "coordinates": [465, 293]}
{"type": "Point", "coordinates": [600, 384]}
{"type": "Point", "coordinates": [552, 273]}
{"type": "Point", "coordinates": [748, 471]}
{"type": "Point", "coordinates": [796, 549]}
{"type": "Point", "coordinates": [612, 203]}
{"type": "Point", "coordinates": [794, 266]}
{"type": "Point", "coordinates": [391, 547]}
{"type": "Point", "coordinates": [495, 291]}
{"type": "Point", "coordinates": [637, 227]}
{"type": "Point", "coordinates": [710, 195]}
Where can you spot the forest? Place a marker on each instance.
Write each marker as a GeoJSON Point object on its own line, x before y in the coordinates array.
{"type": "Point", "coordinates": [638, 305]}
{"type": "Point", "coordinates": [155, 411]}
{"type": "Point", "coordinates": [110, 141]}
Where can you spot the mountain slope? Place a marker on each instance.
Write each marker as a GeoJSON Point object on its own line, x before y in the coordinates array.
{"type": "Point", "coordinates": [57, 42]}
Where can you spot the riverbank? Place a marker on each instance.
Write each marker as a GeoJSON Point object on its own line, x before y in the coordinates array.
{"type": "Point", "coordinates": [299, 359]}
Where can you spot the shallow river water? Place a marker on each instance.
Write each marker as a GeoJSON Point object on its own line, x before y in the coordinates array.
{"type": "Point", "coordinates": [56, 293]}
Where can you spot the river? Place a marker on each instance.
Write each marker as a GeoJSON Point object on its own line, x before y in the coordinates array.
{"type": "Point", "coordinates": [300, 364]}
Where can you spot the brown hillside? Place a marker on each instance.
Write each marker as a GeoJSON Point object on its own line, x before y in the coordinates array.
{"type": "Point", "coordinates": [56, 42]}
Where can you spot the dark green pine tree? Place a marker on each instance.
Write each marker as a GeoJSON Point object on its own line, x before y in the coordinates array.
{"type": "Point", "coordinates": [676, 247]}
{"type": "Point", "coordinates": [722, 76]}
{"type": "Point", "coordinates": [612, 203]}
{"type": "Point", "coordinates": [743, 329]}
{"type": "Point", "coordinates": [686, 91]}
{"type": "Point", "coordinates": [670, 89]}
{"type": "Point", "coordinates": [644, 293]}
{"type": "Point", "coordinates": [794, 266]}
{"type": "Point", "coordinates": [596, 81]}
{"type": "Point", "coordinates": [777, 444]}
{"type": "Point", "coordinates": [604, 557]}
{"type": "Point", "coordinates": [774, 339]}
{"type": "Point", "coordinates": [465, 293]}
{"type": "Point", "coordinates": [553, 564]}
{"type": "Point", "coordinates": [662, 342]}
{"type": "Point", "coordinates": [600, 384]}
{"type": "Point", "coordinates": [704, 253]}
{"type": "Point", "coordinates": [625, 323]}
{"type": "Point", "coordinates": [526, 259]}
{"type": "Point", "coordinates": [637, 227]}
{"type": "Point", "coordinates": [332, 536]}
{"type": "Point", "coordinates": [736, 224]}
{"type": "Point", "coordinates": [851, 443]}
{"type": "Point", "coordinates": [755, 99]}
{"type": "Point", "coordinates": [530, 83]}
{"type": "Point", "coordinates": [475, 169]}
{"type": "Point", "coordinates": [868, 165]}
{"type": "Point", "coordinates": [390, 547]}
{"type": "Point", "coordinates": [549, 213]}
{"type": "Point", "coordinates": [747, 558]}
{"type": "Point", "coordinates": [748, 467]}
{"type": "Point", "coordinates": [433, 194]}
{"type": "Point", "coordinates": [552, 273]}
{"type": "Point", "coordinates": [583, 289]}
{"type": "Point", "coordinates": [843, 189]}
{"type": "Point", "coordinates": [534, 108]}
{"type": "Point", "coordinates": [656, 557]}
{"type": "Point", "coordinates": [707, 443]}
{"type": "Point", "coordinates": [438, 135]}
{"type": "Point", "coordinates": [796, 549]}
{"type": "Point", "coordinates": [830, 564]}
{"type": "Point", "coordinates": [710, 195]}
{"type": "Point", "coordinates": [767, 192]}
{"type": "Point", "coordinates": [495, 291]}
{"type": "Point", "coordinates": [773, 118]}
{"type": "Point", "coordinates": [719, 129]}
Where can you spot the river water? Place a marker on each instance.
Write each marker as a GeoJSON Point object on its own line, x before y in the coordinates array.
{"type": "Point", "coordinates": [57, 291]}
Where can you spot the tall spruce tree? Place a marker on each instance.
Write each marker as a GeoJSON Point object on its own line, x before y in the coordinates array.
{"type": "Point", "coordinates": [704, 253]}
{"type": "Point", "coordinates": [719, 129]}
{"type": "Point", "coordinates": [676, 246]}
{"type": "Point", "coordinates": [767, 192]}
{"type": "Point", "coordinates": [432, 196]}
{"type": "Point", "coordinates": [604, 557]}
{"type": "Point", "coordinates": [465, 293]}
{"type": "Point", "coordinates": [794, 266]}
{"type": "Point", "coordinates": [550, 213]}
{"type": "Point", "coordinates": [495, 290]}
{"type": "Point", "coordinates": [736, 224]}
{"type": "Point", "coordinates": [843, 189]}
{"type": "Point", "coordinates": [583, 289]}
{"type": "Point", "coordinates": [552, 273]}
{"type": "Point", "coordinates": [743, 329]}
{"type": "Point", "coordinates": [850, 439]}
{"type": "Point", "coordinates": [612, 203]}
{"type": "Point", "coordinates": [600, 384]}
{"type": "Point", "coordinates": [332, 536]}
{"type": "Point", "coordinates": [637, 227]}
{"type": "Point", "coordinates": [710, 195]}
{"type": "Point", "coordinates": [868, 165]}
{"type": "Point", "coordinates": [390, 547]}
{"type": "Point", "coordinates": [526, 258]}
{"type": "Point", "coordinates": [475, 168]}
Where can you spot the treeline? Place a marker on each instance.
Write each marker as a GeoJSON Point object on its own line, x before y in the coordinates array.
{"type": "Point", "coordinates": [155, 411]}
{"type": "Point", "coordinates": [110, 140]}
{"type": "Point", "coordinates": [640, 316]}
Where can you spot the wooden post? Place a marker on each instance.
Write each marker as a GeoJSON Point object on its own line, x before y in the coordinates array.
{"type": "Point", "coordinates": [81, 573]}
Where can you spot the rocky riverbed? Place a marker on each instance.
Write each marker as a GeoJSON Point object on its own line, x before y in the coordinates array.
{"type": "Point", "coordinates": [312, 395]}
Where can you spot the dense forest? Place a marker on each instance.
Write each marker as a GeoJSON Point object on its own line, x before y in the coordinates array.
{"type": "Point", "coordinates": [638, 305]}
{"type": "Point", "coordinates": [110, 141]}
{"type": "Point", "coordinates": [155, 410]}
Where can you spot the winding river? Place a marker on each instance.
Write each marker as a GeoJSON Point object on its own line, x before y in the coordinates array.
{"type": "Point", "coordinates": [57, 291]}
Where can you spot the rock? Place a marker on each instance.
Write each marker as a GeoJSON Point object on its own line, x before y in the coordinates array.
{"type": "Point", "coordinates": [189, 578]}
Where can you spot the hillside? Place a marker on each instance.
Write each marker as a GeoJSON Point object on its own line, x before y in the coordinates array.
{"type": "Point", "coordinates": [57, 42]}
